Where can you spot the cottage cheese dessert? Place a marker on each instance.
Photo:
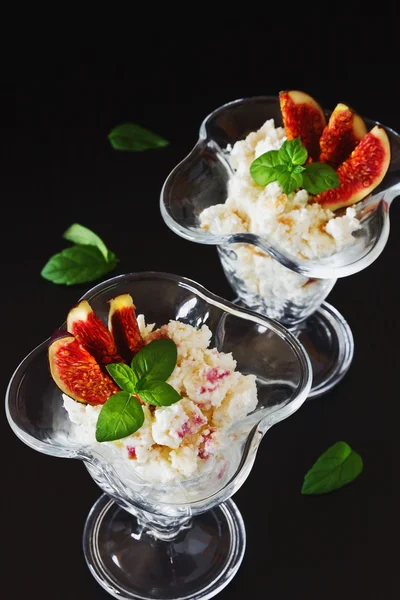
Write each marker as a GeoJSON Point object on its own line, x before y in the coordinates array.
{"type": "Point", "coordinates": [304, 229]}
{"type": "Point", "coordinates": [179, 441]}
{"type": "Point", "coordinates": [287, 182]}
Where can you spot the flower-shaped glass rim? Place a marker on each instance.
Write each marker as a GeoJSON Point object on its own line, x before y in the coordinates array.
{"type": "Point", "coordinates": [342, 263]}
{"type": "Point", "coordinates": [274, 415]}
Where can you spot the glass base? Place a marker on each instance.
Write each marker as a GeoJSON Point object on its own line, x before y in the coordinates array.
{"type": "Point", "coordinates": [327, 338]}
{"type": "Point", "coordinates": [329, 343]}
{"type": "Point", "coordinates": [197, 564]}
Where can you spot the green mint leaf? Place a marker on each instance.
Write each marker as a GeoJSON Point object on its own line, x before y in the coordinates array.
{"type": "Point", "coordinates": [156, 361]}
{"type": "Point", "coordinates": [78, 264]}
{"type": "Point", "coordinates": [263, 170]}
{"type": "Point", "coordinates": [289, 181]}
{"type": "Point", "coordinates": [158, 393]}
{"type": "Point", "coordinates": [298, 169]}
{"type": "Point", "coordinates": [319, 177]}
{"type": "Point", "coordinates": [123, 376]}
{"type": "Point", "coordinates": [120, 416]}
{"type": "Point", "coordinates": [134, 138]}
{"type": "Point", "coordinates": [336, 467]}
{"type": "Point", "coordinates": [292, 152]}
{"type": "Point", "coordinates": [282, 169]}
{"type": "Point", "coordinates": [78, 234]}
{"type": "Point", "coordinates": [268, 159]}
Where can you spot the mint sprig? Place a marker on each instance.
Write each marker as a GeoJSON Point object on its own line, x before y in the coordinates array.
{"type": "Point", "coordinates": [286, 167]}
{"type": "Point", "coordinates": [144, 380]}
{"type": "Point", "coordinates": [156, 361]}
{"type": "Point", "coordinates": [123, 376]}
{"type": "Point", "coordinates": [292, 153]}
{"type": "Point", "coordinates": [158, 393]}
{"type": "Point", "coordinates": [318, 177]}
{"type": "Point", "coordinates": [336, 467]}
{"type": "Point", "coordinates": [88, 260]}
{"type": "Point", "coordinates": [134, 138]}
{"type": "Point", "coordinates": [123, 416]}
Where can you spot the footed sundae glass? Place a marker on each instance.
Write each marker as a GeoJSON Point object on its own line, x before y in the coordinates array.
{"type": "Point", "coordinates": [181, 540]}
{"type": "Point", "coordinates": [201, 180]}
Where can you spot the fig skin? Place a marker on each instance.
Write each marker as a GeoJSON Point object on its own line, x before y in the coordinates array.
{"type": "Point", "coordinates": [345, 129]}
{"type": "Point", "coordinates": [361, 172]}
{"type": "Point", "coordinates": [302, 117]}
{"type": "Point", "coordinates": [77, 373]}
{"type": "Point", "coordinates": [123, 326]}
{"type": "Point", "coordinates": [90, 331]}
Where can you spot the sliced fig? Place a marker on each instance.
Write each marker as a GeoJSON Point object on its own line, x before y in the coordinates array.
{"type": "Point", "coordinates": [124, 327]}
{"type": "Point", "coordinates": [304, 118]}
{"type": "Point", "coordinates": [90, 331]}
{"type": "Point", "coordinates": [344, 131]}
{"type": "Point", "coordinates": [361, 172]}
{"type": "Point", "coordinates": [77, 373]}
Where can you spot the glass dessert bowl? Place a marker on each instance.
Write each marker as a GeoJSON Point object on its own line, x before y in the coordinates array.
{"type": "Point", "coordinates": [264, 274]}
{"type": "Point", "coordinates": [182, 538]}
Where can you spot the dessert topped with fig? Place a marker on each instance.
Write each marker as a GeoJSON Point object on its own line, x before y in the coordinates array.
{"type": "Point", "coordinates": [310, 161]}
{"type": "Point", "coordinates": [288, 184]}
{"type": "Point", "coordinates": [160, 399]}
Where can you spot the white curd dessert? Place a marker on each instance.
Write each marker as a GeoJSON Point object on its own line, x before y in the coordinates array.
{"type": "Point", "coordinates": [177, 442]}
{"type": "Point", "coordinates": [302, 228]}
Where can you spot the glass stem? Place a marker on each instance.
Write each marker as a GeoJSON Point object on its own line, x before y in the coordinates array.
{"type": "Point", "coordinates": [296, 328]}
{"type": "Point", "coordinates": [160, 527]}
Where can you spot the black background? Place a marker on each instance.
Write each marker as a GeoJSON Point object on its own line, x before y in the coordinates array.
{"type": "Point", "coordinates": [58, 104]}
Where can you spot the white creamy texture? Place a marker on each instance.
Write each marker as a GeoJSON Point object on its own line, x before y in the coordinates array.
{"type": "Point", "coordinates": [176, 442]}
{"type": "Point", "coordinates": [299, 227]}
{"type": "Point", "coordinates": [308, 231]}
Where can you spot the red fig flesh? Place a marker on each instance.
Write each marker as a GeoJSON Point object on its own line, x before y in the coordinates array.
{"type": "Point", "coordinates": [90, 331]}
{"type": "Point", "coordinates": [304, 118]}
{"type": "Point", "coordinates": [361, 172]}
{"type": "Point", "coordinates": [77, 373]}
{"type": "Point", "coordinates": [124, 327]}
{"type": "Point", "coordinates": [344, 131]}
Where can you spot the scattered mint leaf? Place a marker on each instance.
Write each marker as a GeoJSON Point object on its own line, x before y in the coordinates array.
{"type": "Point", "coordinates": [88, 260]}
{"type": "Point", "coordinates": [319, 177]}
{"type": "Point", "coordinates": [78, 264]}
{"type": "Point", "coordinates": [78, 234]}
{"type": "Point", "coordinates": [120, 416]}
{"type": "Point", "coordinates": [134, 138]}
{"type": "Point", "coordinates": [292, 152]}
{"type": "Point", "coordinates": [155, 361]}
{"type": "Point", "coordinates": [336, 467]}
{"type": "Point", "coordinates": [158, 393]}
{"type": "Point", "coordinates": [290, 181]}
{"type": "Point", "coordinates": [263, 170]}
{"type": "Point", "coordinates": [123, 376]}
{"type": "Point", "coordinates": [286, 167]}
